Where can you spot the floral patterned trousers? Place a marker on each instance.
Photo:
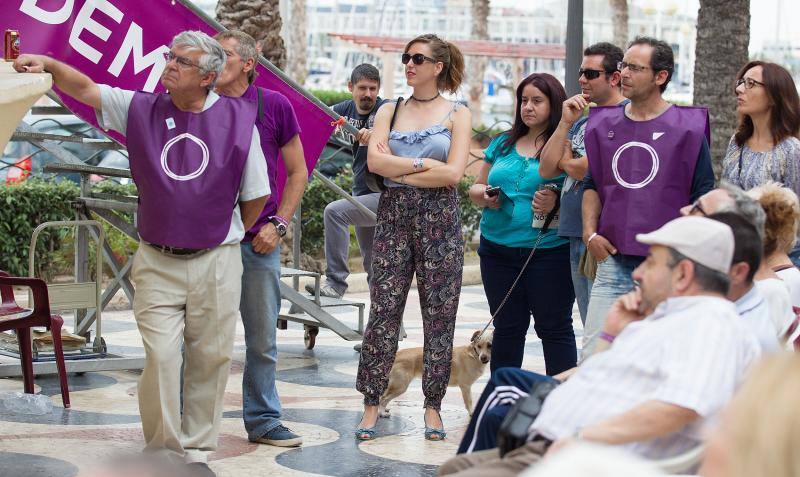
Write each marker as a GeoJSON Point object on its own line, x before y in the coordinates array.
{"type": "Point", "coordinates": [418, 231]}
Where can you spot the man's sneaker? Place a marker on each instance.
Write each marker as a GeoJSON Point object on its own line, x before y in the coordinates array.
{"type": "Point", "coordinates": [324, 290]}
{"type": "Point", "coordinates": [281, 436]}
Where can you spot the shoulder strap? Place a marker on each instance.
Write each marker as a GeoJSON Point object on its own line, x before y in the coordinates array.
{"type": "Point", "coordinates": [259, 94]}
{"type": "Point", "coordinates": [394, 114]}
{"type": "Point", "coordinates": [450, 113]}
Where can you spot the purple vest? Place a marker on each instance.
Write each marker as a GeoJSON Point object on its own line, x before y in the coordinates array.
{"type": "Point", "coordinates": [642, 170]}
{"type": "Point", "coordinates": [188, 168]}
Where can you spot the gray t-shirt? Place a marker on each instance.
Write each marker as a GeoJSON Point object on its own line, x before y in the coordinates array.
{"type": "Point", "coordinates": [255, 182]}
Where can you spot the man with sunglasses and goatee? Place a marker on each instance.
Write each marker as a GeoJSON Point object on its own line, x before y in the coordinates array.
{"type": "Point", "coordinates": [600, 82]}
{"type": "Point", "coordinates": [647, 159]}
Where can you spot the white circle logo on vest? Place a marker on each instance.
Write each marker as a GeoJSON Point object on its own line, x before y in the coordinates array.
{"type": "Point", "coordinates": [653, 168]}
{"type": "Point", "coordinates": [192, 175]}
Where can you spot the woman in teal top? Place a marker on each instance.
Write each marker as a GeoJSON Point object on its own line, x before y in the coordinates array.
{"type": "Point", "coordinates": [508, 235]}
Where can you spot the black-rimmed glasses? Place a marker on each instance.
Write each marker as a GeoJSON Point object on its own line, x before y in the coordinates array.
{"type": "Point", "coordinates": [698, 207]}
{"type": "Point", "coordinates": [184, 62]}
{"type": "Point", "coordinates": [417, 58]}
{"type": "Point", "coordinates": [635, 68]}
{"type": "Point", "coordinates": [749, 83]}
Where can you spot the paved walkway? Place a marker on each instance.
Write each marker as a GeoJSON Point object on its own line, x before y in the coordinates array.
{"type": "Point", "coordinates": [316, 388]}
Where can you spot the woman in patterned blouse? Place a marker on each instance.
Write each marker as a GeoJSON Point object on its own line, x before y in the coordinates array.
{"type": "Point", "coordinates": [765, 146]}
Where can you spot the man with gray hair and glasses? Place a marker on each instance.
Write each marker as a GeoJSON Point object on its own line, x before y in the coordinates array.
{"type": "Point", "coordinates": [767, 286]}
{"type": "Point", "coordinates": [202, 182]}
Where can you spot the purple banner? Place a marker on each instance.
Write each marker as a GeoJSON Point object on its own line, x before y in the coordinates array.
{"type": "Point", "coordinates": [121, 43]}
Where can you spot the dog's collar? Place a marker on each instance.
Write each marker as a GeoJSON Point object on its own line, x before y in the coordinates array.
{"type": "Point", "coordinates": [472, 351]}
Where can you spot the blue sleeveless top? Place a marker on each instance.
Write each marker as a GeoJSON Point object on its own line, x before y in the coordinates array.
{"type": "Point", "coordinates": [432, 142]}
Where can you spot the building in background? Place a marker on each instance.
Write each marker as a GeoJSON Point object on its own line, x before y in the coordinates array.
{"type": "Point", "coordinates": [532, 21]}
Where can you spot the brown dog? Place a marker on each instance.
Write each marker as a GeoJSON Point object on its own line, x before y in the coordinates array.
{"type": "Point", "coordinates": [468, 364]}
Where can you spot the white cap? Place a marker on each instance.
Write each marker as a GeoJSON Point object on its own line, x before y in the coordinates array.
{"type": "Point", "coordinates": [705, 241]}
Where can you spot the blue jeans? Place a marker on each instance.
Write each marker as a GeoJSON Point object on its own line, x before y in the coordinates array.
{"type": "Point", "coordinates": [260, 304]}
{"type": "Point", "coordinates": [505, 387]}
{"type": "Point", "coordinates": [544, 291]}
{"type": "Point", "coordinates": [612, 281]}
{"type": "Point", "coordinates": [580, 283]}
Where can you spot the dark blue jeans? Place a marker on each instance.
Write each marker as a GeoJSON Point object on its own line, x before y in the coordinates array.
{"type": "Point", "coordinates": [544, 291]}
{"type": "Point", "coordinates": [504, 388]}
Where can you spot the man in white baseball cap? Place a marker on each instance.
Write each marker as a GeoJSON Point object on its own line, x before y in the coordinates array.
{"type": "Point", "coordinates": [672, 353]}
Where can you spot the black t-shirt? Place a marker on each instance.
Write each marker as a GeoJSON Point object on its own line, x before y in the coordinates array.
{"type": "Point", "coordinates": [358, 121]}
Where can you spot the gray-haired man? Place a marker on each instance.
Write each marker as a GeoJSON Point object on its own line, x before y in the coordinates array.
{"type": "Point", "coordinates": [202, 182]}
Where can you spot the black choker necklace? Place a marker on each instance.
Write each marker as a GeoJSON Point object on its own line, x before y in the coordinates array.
{"type": "Point", "coordinates": [423, 100]}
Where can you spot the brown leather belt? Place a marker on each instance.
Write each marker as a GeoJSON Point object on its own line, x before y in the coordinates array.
{"type": "Point", "coordinates": [178, 251]}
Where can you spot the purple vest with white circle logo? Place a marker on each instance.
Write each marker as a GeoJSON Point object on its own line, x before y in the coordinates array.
{"type": "Point", "coordinates": [187, 167]}
{"type": "Point", "coordinates": [642, 170]}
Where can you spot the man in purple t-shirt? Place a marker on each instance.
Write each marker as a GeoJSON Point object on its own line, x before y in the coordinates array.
{"type": "Point", "coordinates": [261, 298]}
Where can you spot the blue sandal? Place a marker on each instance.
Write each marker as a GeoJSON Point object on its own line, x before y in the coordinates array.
{"type": "Point", "coordinates": [365, 434]}
{"type": "Point", "coordinates": [434, 434]}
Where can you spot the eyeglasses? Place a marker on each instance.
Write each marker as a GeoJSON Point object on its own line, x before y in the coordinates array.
{"type": "Point", "coordinates": [182, 62]}
{"type": "Point", "coordinates": [590, 74]}
{"type": "Point", "coordinates": [749, 83]}
{"type": "Point", "coordinates": [635, 68]}
{"type": "Point", "coordinates": [417, 58]}
{"type": "Point", "coordinates": [697, 207]}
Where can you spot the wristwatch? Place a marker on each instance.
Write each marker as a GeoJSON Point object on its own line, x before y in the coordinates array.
{"type": "Point", "coordinates": [279, 226]}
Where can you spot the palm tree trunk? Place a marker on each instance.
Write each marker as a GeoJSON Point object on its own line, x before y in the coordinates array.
{"type": "Point", "coordinates": [620, 22]}
{"type": "Point", "coordinates": [723, 35]}
{"type": "Point", "coordinates": [477, 64]}
{"type": "Point", "coordinates": [298, 42]}
{"type": "Point", "coordinates": [260, 19]}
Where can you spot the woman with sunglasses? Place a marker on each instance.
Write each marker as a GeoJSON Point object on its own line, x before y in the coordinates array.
{"type": "Point", "coordinates": [765, 146]}
{"type": "Point", "coordinates": [508, 235]}
{"type": "Point", "coordinates": [423, 156]}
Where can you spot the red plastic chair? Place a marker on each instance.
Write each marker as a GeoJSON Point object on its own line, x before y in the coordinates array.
{"type": "Point", "coordinates": [25, 319]}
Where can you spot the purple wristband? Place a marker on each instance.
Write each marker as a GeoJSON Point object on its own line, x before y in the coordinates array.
{"type": "Point", "coordinates": [607, 337]}
{"type": "Point", "coordinates": [280, 219]}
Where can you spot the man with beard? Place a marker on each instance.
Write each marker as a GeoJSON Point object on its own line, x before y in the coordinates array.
{"type": "Point", "coordinates": [360, 112]}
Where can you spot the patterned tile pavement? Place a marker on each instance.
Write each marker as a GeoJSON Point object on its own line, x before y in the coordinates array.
{"type": "Point", "coordinates": [316, 388]}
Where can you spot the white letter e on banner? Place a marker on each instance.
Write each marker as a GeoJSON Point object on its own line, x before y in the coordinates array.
{"type": "Point", "coordinates": [30, 8]}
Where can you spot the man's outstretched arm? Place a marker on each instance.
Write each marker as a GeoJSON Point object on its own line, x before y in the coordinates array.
{"type": "Point", "coordinates": [68, 79]}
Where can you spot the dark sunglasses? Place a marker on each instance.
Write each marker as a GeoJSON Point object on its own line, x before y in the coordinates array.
{"type": "Point", "coordinates": [417, 58]}
{"type": "Point", "coordinates": [590, 74]}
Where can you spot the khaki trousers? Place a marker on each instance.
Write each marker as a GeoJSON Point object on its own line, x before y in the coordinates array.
{"type": "Point", "coordinates": [194, 302]}
{"type": "Point", "coordinates": [488, 463]}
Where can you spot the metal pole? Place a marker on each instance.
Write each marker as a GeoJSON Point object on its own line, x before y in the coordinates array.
{"type": "Point", "coordinates": [574, 46]}
{"type": "Point", "coordinates": [341, 192]}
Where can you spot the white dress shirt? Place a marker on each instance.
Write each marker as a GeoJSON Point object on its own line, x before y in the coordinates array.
{"type": "Point", "coordinates": [691, 352]}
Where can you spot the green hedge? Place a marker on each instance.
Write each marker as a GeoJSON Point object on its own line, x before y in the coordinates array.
{"type": "Point", "coordinates": [24, 206]}
{"type": "Point", "coordinates": [331, 97]}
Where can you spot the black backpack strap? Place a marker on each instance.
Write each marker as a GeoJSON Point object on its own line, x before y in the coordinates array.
{"type": "Point", "coordinates": [394, 114]}
{"type": "Point", "coordinates": [259, 94]}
